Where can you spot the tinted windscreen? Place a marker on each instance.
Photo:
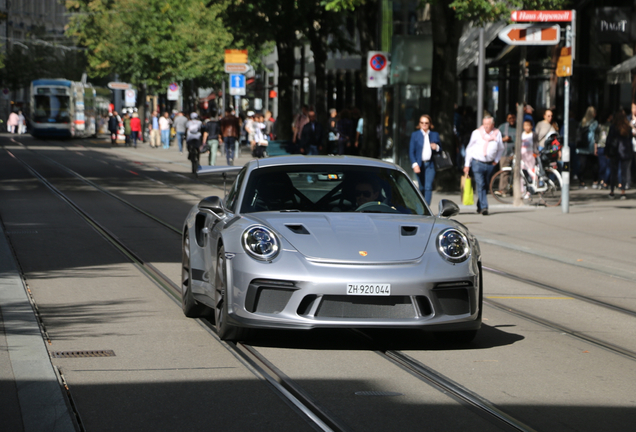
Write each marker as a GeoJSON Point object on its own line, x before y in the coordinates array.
{"type": "Point", "coordinates": [51, 109]}
{"type": "Point", "coordinates": [331, 188]}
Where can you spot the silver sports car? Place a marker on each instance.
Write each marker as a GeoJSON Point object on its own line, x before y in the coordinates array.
{"type": "Point", "coordinates": [305, 242]}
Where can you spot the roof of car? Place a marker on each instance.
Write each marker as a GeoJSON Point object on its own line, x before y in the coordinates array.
{"type": "Point", "coordinates": [320, 160]}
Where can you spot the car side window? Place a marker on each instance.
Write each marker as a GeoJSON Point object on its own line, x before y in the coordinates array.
{"type": "Point", "coordinates": [232, 197]}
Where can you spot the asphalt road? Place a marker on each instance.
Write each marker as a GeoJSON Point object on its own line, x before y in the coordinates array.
{"type": "Point", "coordinates": [557, 350]}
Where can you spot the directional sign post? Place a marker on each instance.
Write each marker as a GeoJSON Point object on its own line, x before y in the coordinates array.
{"type": "Point", "coordinates": [531, 34]}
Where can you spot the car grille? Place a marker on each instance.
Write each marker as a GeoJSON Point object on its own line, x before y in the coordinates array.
{"type": "Point", "coordinates": [454, 298]}
{"type": "Point", "coordinates": [268, 296]}
{"type": "Point", "coordinates": [391, 307]}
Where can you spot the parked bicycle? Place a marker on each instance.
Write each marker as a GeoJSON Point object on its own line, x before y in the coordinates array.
{"type": "Point", "coordinates": [546, 184]}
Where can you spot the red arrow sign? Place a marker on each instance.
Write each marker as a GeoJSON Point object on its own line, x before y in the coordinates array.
{"type": "Point", "coordinates": [542, 16]}
{"type": "Point", "coordinates": [530, 34]}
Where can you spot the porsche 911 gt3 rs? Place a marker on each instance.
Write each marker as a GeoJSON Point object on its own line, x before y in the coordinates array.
{"type": "Point", "coordinates": [329, 242]}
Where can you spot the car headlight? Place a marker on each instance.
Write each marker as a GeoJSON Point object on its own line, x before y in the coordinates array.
{"type": "Point", "coordinates": [260, 243]}
{"type": "Point", "coordinates": [453, 246]}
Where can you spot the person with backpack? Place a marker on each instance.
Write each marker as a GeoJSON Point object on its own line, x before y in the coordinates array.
{"type": "Point", "coordinates": [193, 140]}
{"type": "Point", "coordinates": [619, 150]}
{"type": "Point", "coordinates": [585, 141]}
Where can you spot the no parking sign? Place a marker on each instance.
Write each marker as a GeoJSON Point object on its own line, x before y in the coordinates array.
{"type": "Point", "coordinates": [377, 68]}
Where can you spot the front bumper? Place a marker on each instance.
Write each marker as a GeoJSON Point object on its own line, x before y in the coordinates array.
{"type": "Point", "coordinates": [296, 293]}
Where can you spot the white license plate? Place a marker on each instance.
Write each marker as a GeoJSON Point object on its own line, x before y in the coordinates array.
{"type": "Point", "coordinates": [370, 289]}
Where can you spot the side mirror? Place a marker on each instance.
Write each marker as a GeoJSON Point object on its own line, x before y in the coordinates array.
{"type": "Point", "coordinates": [212, 203]}
{"type": "Point", "coordinates": [447, 208]}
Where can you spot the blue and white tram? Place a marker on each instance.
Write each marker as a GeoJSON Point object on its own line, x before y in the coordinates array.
{"type": "Point", "coordinates": [62, 108]}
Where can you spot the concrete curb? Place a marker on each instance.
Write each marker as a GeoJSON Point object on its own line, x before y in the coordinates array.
{"type": "Point", "coordinates": [42, 402]}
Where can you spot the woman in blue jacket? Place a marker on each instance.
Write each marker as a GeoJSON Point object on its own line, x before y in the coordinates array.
{"type": "Point", "coordinates": [423, 143]}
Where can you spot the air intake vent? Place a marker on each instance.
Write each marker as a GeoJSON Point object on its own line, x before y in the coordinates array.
{"type": "Point", "coordinates": [298, 229]}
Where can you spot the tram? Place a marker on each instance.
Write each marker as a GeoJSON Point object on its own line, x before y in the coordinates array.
{"type": "Point", "coordinates": [63, 108]}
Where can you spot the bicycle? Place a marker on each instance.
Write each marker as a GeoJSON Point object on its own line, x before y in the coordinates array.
{"type": "Point", "coordinates": [546, 183]}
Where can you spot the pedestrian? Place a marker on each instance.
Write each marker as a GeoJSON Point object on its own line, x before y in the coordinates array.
{"type": "Point", "coordinates": [229, 133]}
{"type": "Point", "coordinates": [13, 122]}
{"type": "Point", "coordinates": [269, 125]}
{"type": "Point", "coordinates": [333, 132]}
{"type": "Point", "coordinates": [155, 133]}
{"type": "Point", "coordinates": [260, 137]}
{"type": "Point", "coordinates": [508, 131]}
{"type": "Point", "coordinates": [424, 142]}
{"type": "Point", "coordinates": [545, 127]}
{"type": "Point", "coordinates": [127, 129]}
{"type": "Point", "coordinates": [211, 137]}
{"type": "Point", "coordinates": [113, 127]}
{"type": "Point", "coordinates": [599, 151]}
{"type": "Point", "coordinates": [135, 128]}
{"type": "Point", "coordinates": [21, 123]}
{"type": "Point", "coordinates": [529, 150]}
{"type": "Point", "coordinates": [482, 155]}
{"type": "Point", "coordinates": [300, 121]}
{"type": "Point", "coordinates": [164, 127]}
{"type": "Point", "coordinates": [345, 131]}
{"type": "Point", "coordinates": [359, 135]}
{"type": "Point", "coordinates": [193, 140]}
{"type": "Point", "coordinates": [585, 143]}
{"type": "Point", "coordinates": [619, 150]}
{"type": "Point", "coordinates": [180, 128]}
{"type": "Point", "coordinates": [527, 114]}
{"type": "Point", "coordinates": [250, 130]}
{"type": "Point", "coordinates": [311, 137]}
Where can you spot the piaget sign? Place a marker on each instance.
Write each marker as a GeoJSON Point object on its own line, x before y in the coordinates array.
{"type": "Point", "coordinates": [615, 25]}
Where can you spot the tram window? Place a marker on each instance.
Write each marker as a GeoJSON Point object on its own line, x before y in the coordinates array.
{"type": "Point", "coordinates": [52, 109]}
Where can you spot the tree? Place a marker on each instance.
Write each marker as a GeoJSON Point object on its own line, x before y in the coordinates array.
{"type": "Point", "coordinates": [151, 43]}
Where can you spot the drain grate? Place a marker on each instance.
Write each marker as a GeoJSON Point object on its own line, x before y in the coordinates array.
{"type": "Point", "coordinates": [79, 354]}
{"type": "Point", "coordinates": [378, 393]}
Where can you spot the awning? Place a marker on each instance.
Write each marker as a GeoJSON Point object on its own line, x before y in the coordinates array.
{"type": "Point", "coordinates": [468, 52]}
{"type": "Point", "coordinates": [622, 73]}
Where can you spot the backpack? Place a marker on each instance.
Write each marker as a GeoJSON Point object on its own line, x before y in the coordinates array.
{"type": "Point", "coordinates": [194, 127]}
{"type": "Point", "coordinates": [581, 141]}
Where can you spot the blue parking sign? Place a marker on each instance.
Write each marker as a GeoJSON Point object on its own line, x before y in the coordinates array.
{"type": "Point", "coordinates": [237, 85]}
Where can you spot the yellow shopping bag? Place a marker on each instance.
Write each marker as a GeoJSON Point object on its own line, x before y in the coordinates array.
{"type": "Point", "coordinates": [467, 191]}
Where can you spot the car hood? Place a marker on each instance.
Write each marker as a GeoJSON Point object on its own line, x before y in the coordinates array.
{"type": "Point", "coordinates": [352, 237]}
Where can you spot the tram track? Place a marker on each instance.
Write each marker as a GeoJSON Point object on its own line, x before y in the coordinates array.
{"type": "Point", "coordinates": [287, 388]}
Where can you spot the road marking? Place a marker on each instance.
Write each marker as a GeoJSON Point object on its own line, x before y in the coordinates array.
{"type": "Point", "coordinates": [531, 297]}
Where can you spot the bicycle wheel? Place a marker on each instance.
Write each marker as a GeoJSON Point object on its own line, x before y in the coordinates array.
{"type": "Point", "coordinates": [552, 196]}
{"type": "Point", "coordinates": [501, 187]}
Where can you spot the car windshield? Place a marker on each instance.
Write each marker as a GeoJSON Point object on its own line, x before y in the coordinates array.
{"type": "Point", "coordinates": [331, 188]}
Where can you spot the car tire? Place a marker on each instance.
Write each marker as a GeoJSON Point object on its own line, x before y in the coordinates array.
{"type": "Point", "coordinates": [224, 330]}
{"type": "Point", "coordinates": [191, 307]}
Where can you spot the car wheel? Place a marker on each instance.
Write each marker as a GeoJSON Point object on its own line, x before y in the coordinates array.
{"type": "Point", "coordinates": [191, 307]}
{"type": "Point", "coordinates": [224, 330]}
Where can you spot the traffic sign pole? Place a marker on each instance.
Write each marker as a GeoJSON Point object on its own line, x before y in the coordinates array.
{"type": "Point", "coordinates": [570, 37]}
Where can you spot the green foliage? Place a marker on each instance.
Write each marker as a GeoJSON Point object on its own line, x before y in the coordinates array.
{"type": "Point", "coordinates": [151, 41]}
{"type": "Point", "coordinates": [481, 11]}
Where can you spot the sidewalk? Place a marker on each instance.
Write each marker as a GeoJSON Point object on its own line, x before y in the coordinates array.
{"type": "Point", "coordinates": [31, 396]}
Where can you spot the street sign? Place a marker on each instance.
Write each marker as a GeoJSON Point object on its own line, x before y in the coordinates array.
{"type": "Point", "coordinates": [173, 92]}
{"type": "Point", "coordinates": [531, 34]}
{"type": "Point", "coordinates": [377, 69]}
{"type": "Point", "coordinates": [235, 56]}
{"type": "Point", "coordinates": [130, 98]}
{"type": "Point", "coordinates": [237, 85]}
{"type": "Point", "coordinates": [119, 86]}
{"type": "Point", "coordinates": [237, 68]}
{"type": "Point", "coordinates": [542, 16]}
{"type": "Point", "coordinates": [564, 64]}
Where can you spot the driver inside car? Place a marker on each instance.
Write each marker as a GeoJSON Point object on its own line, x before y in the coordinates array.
{"type": "Point", "coordinates": [366, 191]}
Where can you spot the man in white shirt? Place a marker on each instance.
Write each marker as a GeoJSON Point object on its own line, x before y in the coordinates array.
{"type": "Point", "coordinates": [482, 155]}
